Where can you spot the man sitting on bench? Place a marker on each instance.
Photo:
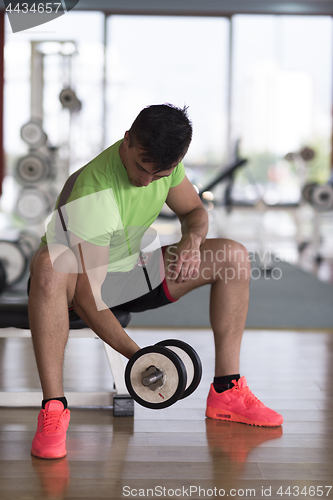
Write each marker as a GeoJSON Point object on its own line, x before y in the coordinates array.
{"type": "Point", "coordinates": [90, 260]}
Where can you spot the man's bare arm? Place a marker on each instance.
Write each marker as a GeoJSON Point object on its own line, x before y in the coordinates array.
{"type": "Point", "coordinates": [185, 202]}
{"type": "Point", "coordinates": [88, 304]}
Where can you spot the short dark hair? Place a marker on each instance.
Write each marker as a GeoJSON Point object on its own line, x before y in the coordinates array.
{"type": "Point", "coordinates": [164, 132]}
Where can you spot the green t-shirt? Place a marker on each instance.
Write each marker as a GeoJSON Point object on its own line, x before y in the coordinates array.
{"type": "Point", "coordinates": [104, 208]}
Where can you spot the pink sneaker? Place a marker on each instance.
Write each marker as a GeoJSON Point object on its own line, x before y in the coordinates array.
{"type": "Point", "coordinates": [50, 438]}
{"type": "Point", "coordinates": [238, 404]}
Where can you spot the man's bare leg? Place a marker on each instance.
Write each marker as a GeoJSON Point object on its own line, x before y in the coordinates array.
{"type": "Point", "coordinates": [225, 265]}
{"type": "Point", "coordinates": [51, 293]}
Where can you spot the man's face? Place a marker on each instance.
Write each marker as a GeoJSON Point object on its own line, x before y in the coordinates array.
{"type": "Point", "coordinates": [139, 173]}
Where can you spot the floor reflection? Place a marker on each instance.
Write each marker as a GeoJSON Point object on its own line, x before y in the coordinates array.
{"type": "Point", "coordinates": [53, 476]}
{"type": "Point", "coordinates": [230, 445]}
{"type": "Point", "coordinates": [90, 454]}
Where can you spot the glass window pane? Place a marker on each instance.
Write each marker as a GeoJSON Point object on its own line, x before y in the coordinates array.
{"type": "Point", "coordinates": [282, 88]}
{"type": "Point", "coordinates": [85, 78]}
{"type": "Point", "coordinates": [180, 60]}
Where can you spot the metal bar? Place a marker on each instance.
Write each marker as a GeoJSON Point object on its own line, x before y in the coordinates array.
{"type": "Point", "coordinates": [152, 378]}
{"type": "Point", "coordinates": [37, 82]}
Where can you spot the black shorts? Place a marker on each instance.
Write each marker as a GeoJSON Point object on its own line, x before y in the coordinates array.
{"type": "Point", "coordinates": [157, 297]}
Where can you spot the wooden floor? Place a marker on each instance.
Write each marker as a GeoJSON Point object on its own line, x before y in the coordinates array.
{"type": "Point", "coordinates": [176, 452]}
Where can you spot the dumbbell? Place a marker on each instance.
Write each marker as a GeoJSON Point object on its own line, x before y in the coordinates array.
{"type": "Point", "coordinates": [157, 376]}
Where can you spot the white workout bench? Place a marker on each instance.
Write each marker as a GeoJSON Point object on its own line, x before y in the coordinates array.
{"type": "Point", "coordinates": [14, 323]}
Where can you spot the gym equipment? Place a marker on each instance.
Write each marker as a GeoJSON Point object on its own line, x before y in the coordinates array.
{"type": "Point", "coordinates": [227, 174]}
{"type": "Point", "coordinates": [15, 261]}
{"type": "Point", "coordinates": [15, 256]}
{"type": "Point", "coordinates": [307, 190]}
{"type": "Point", "coordinates": [3, 277]}
{"type": "Point", "coordinates": [158, 376]}
{"type": "Point", "coordinates": [69, 100]}
{"type": "Point", "coordinates": [322, 198]}
{"type": "Point", "coordinates": [307, 154]}
{"type": "Point", "coordinates": [33, 203]}
{"type": "Point", "coordinates": [30, 241]}
{"type": "Point", "coordinates": [14, 323]}
{"type": "Point", "coordinates": [33, 134]}
{"type": "Point", "coordinates": [319, 196]}
{"type": "Point", "coordinates": [155, 377]}
{"type": "Point", "coordinates": [191, 361]}
{"type": "Point", "coordinates": [32, 169]}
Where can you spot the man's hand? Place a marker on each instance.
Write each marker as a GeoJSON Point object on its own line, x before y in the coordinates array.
{"type": "Point", "coordinates": [185, 258]}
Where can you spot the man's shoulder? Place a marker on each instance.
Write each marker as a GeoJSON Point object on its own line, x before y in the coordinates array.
{"type": "Point", "coordinates": [100, 169]}
{"type": "Point", "coordinates": [108, 155]}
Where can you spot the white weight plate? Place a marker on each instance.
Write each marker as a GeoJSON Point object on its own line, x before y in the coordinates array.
{"type": "Point", "coordinates": [33, 134]}
{"type": "Point", "coordinates": [31, 169]}
{"type": "Point", "coordinates": [170, 378]}
{"type": "Point", "coordinates": [187, 362]}
{"type": "Point", "coordinates": [13, 260]}
{"type": "Point", "coordinates": [322, 197]}
{"type": "Point", "coordinates": [32, 204]}
{"type": "Point", "coordinates": [29, 242]}
{"type": "Point", "coordinates": [173, 381]}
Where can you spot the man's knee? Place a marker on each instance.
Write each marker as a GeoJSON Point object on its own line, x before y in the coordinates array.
{"type": "Point", "coordinates": [235, 258]}
{"type": "Point", "coordinates": [52, 263]}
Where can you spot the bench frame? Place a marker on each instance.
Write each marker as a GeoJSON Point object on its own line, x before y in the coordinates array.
{"type": "Point", "coordinates": [121, 401]}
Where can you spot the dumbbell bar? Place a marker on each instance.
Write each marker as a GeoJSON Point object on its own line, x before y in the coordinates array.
{"type": "Point", "coordinates": [158, 376]}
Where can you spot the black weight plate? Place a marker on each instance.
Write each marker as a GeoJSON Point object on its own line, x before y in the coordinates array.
{"type": "Point", "coordinates": [174, 381]}
{"type": "Point", "coordinates": [3, 280]}
{"type": "Point", "coordinates": [197, 366]}
{"type": "Point", "coordinates": [307, 190]}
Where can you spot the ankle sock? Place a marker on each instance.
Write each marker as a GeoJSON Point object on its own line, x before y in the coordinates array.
{"type": "Point", "coordinates": [224, 383]}
{"type": "Point", "coordinates": [62, 399]}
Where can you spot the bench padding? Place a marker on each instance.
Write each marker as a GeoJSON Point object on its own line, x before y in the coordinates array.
{"type": "Point", "coordinates": [14, 314]}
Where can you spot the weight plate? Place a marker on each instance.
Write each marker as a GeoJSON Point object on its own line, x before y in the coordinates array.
{"type": "Point", "coordinates": [69, 100]}
{"type": "Point", "coordinates": [307, 191]}
{"type": "Point", "coordinates": [307, 154]}
{"type": "Point", "coordinates": [33, 134]}
{"type": "Point", "coordinates": [29, 242]}
{"type": "Point", "coordinates": [13, 260]}
{"type": "Point", "coordinates": [32, 204]}
{"type": "Point", "coordinates": [172, 385]}
{"type": "Point", "coordinates": [322, 197]}
{"type": "Point", "coordinates": [191, 361]}
{"type": "Point", "coordinates": [31, 169]}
